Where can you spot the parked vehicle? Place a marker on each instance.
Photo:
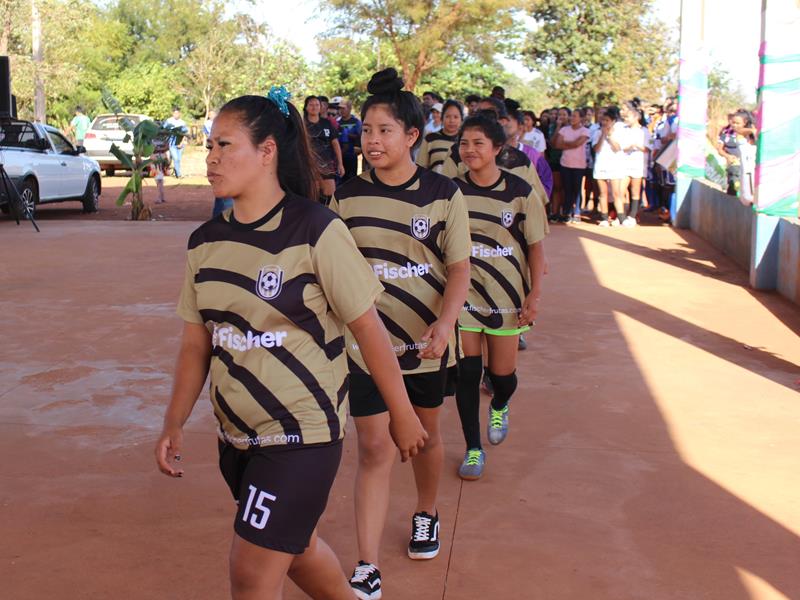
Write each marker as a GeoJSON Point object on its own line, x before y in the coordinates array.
{"type": "Point", "coordinates": [104, 131]}
{"type": "Point", "coordinates": [44, 166]}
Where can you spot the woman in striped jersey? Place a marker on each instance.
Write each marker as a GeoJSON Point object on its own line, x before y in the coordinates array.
{"type": "Point", "coordinates": [507, 225]}
{"type": "Point", "coordinates": [436, 145]}
{"type": "Point", "coordinates": [269, 286]}
{"type": "Point", "coordinates": [412, 226]}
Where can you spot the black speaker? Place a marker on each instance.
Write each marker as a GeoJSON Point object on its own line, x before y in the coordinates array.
{"type": "Point", "coordinates": [13, 106]}
{"type": "Point", "coordinates": [6, 104]}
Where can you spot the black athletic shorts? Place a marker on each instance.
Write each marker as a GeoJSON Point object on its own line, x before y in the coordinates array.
{"type": "Point", "coordinates": [425, 390]}
{"type": "Point", "coordinates": [281, 492]}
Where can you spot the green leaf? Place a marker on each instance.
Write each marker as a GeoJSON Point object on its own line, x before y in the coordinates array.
{"type": "Point", "coordinates": [124, 158]}
{"type": "Point", "coordinates": [128, 189]}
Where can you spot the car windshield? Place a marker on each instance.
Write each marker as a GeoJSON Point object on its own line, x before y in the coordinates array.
{"type": "Point", "coordinates": [17, 134]}
{"type": "Point", "coordinates": [112, 122]}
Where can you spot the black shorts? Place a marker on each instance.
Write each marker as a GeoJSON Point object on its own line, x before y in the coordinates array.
{"type": "Point", "coordinates": [328, 175]}
{"type": "Point", "coordinates": [281, 492]}
{"type": "Point", "coordinates": [425, 390]}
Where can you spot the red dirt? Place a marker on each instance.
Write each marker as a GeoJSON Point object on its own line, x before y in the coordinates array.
{"type": "Point", "coordinates": [652, 454]}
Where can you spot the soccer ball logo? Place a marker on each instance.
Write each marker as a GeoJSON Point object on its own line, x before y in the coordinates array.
{"type": "Point", "coordinates": [508, 218]}
{"type": "Point", "coordinates": [420, 226]}
{"type": "Point", "coordinates": [269, 283]}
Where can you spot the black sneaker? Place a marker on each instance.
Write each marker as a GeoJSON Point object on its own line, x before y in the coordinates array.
{"type": "Point", "coordinates": [366, 581]}
{"type": "Point", "coordinates": [424, 542]}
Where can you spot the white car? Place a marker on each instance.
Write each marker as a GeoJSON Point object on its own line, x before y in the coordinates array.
{"type": "Point", "coordinates": [104, 131]}
{"type": "Point", "coordinates": [44, 166]}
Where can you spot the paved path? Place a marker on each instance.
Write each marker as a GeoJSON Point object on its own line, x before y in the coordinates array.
{"type": "Point", "coordinates": [654, 450]}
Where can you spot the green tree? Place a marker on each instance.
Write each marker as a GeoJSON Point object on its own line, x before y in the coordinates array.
{"type": "Point", "coordinates": [425, 34]}
{"type": "Point", "coordinates": [600, 51]}
{"type": "Point", "coordinates": [346, 66]}
{"type": "Point", "coordinates": [148, 88]}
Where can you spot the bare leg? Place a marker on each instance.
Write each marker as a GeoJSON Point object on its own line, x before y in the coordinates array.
{"type": "Point", "coordinates": [603, 197]}
{"type": "Point", "coordinates": [617, 194]}
{"type": "Point", "coordinates": [376, 456]}
{"type": "Point", "coordinates": [503, 352]}
{"type": "Point", "coordinates": [318, 573]}
{"type": "Point", "coordinates": [429, 462]}
{"type": "Point", "coordinates": [257, 573]}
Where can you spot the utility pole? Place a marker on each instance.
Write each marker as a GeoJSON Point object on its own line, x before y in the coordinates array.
{"type": "Point", "coordinates": [39, 102]}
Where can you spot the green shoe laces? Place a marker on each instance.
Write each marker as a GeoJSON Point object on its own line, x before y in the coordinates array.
{"type": "Point", "coordinates": [473, 458]}
{"type": "Point", "coordinates": [496, 418]}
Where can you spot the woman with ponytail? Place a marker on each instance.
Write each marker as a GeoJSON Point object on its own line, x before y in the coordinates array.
{"type": "Point", "coordinates": [411, 224]}
{"type": "Point", "coordinates": [269, 287]}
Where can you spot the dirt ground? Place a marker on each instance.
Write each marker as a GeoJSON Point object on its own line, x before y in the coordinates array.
{"type": "Point", "coordinates": [653, 452]}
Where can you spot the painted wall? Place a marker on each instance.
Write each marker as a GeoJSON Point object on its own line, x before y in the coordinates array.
{"type": "Point", "coordinates": [789, 259]}
{"type": "Point", "coordinates": [721, 220]}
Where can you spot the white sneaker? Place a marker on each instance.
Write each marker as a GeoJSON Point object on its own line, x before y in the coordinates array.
{"type": "Point", "coordinates": [615, 223]}
{"type": "Point", "coordinates": [604, 223]}
{"type": "Point", "coordinates": [629, 222]}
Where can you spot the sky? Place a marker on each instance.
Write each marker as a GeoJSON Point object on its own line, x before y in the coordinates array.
{"type": "Point", "coordinates": [735, 47]}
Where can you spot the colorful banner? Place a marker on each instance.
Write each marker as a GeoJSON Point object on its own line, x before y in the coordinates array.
{"type": "Point", "coordinates": [777, 176]}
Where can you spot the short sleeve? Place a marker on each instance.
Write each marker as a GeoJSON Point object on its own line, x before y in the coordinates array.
{"type": "Point", "coordinates": [596, 135]}
{"type": "Point", "coordinates": [531, 176]}
{"type": "Point", "coordinates": [449, 167]}
{"type": "Point", "coordinates": [535, 226]}
{"type": "Point", "coordinates": [423, 158]}
{"type": "Point", "coordinates": [334, 204]}
{"type": "Point", "coordinates": [457, 243]}
{"type": "Point", "coordinates": [187, 303]}
{"type": "Point", "coordinates": [346, 279]}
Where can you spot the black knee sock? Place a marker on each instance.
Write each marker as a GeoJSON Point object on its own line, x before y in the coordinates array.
{"type": "Point", "coordinates": [634, 208]}
{"type": "Point", "coordinates": [468, 399]}
{"type": "Point", "coordinates": [504, 387]}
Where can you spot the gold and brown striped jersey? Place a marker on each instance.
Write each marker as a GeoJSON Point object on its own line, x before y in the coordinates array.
{"type": "Point", "coordinates": [409, 234]}
{"type": "Point", "coordinates": [275, 295]}
{"type": "Point", "coordinates": [434, 150]}
{"type": "Point", "coordinates": [504, 219]}
{"type": "Point", "coordinates": [510, 159]}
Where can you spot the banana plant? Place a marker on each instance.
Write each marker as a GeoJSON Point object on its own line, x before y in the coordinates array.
{"type": "Point", "coordinates": [144, 135]}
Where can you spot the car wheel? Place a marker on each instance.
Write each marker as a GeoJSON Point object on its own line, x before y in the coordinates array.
{"type": "Point", "coordinates": [29, 196]}
{"type": "Point", "coordinates": [91, 197]}
{"type": "Point", "coordinates": [110, 172]}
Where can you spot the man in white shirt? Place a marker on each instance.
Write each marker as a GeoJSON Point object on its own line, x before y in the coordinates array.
{"type": "Point", "coordinates": [175, 147]}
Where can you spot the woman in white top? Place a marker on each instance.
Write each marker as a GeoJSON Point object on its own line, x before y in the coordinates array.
{"type": "Point", "coordinates": [532, 136]}
{"type": "Point", "coordinates": [636, 145]}
{"type": "Point", "coordinates": [609, 164]}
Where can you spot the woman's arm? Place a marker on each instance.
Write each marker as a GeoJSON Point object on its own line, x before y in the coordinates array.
{"type": "Point", "coordinates": [575, 144]}
{"type": "Point", "coordinates": [191, 370]}
{"type": "Point", "coordinates": [536, 264]}
{"type": "Point", "coordinates": [596, 147]}
{"type": "Point", "coordinates": [438, 334]}
{"type": "Point", "coordinates": [376, 348]}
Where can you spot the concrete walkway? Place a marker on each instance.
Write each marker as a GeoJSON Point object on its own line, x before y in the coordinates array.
{"type": "Point", "coordinates": [654, 449]}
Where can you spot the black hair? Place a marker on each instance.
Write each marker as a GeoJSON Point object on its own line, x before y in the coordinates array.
{"type": "Point", "coordinates": [451, 103]}
{"type": "Point", "coordinates": [581, 111]}
{"type": "Point", "coordinates": [500, 107]}
{"type": "Point", "coordinates": [511, 104]}
{"type": "Point", "coordinates": [516, 115]}
{"type": "Point", "coordinates": [297, 165]}
{"type": "Point", "coordinates": [498, 89]}
{"type": "Point", "coordinates": [612, 112]}
{"type": "Point", "coordinates": [486, 122]}
{"type": "Point", "coordinates": [531, 114]}
{"type": "Point", "coordinates": [323, 99]}
{"type": "Point", "coordinates": [472, 98]}
{"type": "Point", "coordinates": [746, 116]}
{"type": "Point", "coordinates": [386, 87]}
{"type": "Point", "coordinates": [566, 108]}
{"type": "Point", "coordinates": [305, 105]}
{"type": "Point", "coordinates": [79, 108]}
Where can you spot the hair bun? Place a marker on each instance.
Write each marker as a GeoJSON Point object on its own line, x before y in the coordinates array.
{"type": "Point", "coordinates": [385, 82]}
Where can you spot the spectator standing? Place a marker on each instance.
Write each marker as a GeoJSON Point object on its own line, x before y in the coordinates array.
{"type": "Point", "coordinates": [349, 138]}
{"type": "Point", "coordinates": [571, 140]}
{"type": "Point", "coordinates": [435, 123]}
{"type": "Point", "coordinates": [636, 146]}
{"type": "Point", "coordinates": [472, 102]}
{"type": "Point", "coordinates": [325, 144]}
{"type": "Point", "coordinates": [176, 147]}
{"type": "Point", "coordinates": [532, 136]}
{"type": "Point", "coordinates": [212, 114]}
{"type": "Point", "coordinates": [79, 125]}
{"type": "Point", "coordinates": [609, 165]}
{"type": "Point", "coordinates": [436, 146]}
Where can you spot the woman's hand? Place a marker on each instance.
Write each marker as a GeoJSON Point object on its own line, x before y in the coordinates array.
{"type": "Point", "coordinates": [530, 308]}
{"type": "Point", "coordinates": [407, 433]}
{"type": "Point", "coordinates": [168, 451]}
{"type": "Point", "coordinates": [436, 338]}
{"type": "Point", "coordinates": [340, 170]}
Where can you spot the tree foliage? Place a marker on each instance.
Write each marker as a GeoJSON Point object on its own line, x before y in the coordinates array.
{"type": "Point", "coordinates": [600, 51]}
{"type": "Point", "coordinates": [425, 35]}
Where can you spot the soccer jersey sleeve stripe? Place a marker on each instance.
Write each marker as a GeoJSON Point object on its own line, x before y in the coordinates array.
{"type": "Point", "coordinates": [288, 303]}
{"type": "Point", "coordinates": [260, 394]}
{"type": "Point", "coordinates": [291, 362]}
{"type": "Point", "coordinates": [233, 417]}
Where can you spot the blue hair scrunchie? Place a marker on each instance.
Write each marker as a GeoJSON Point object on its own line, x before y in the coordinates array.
{"type": "Point", "coordinates": [279, 96]}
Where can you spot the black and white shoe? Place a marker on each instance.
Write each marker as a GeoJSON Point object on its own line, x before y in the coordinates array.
{"type": "Point", "coordinates": [366, 581]}
{"type": "Point", "coordinates": [424, 542]}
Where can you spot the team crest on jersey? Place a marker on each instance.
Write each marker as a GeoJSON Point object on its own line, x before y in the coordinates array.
{"type": "Point", "coordinates": [270, 282]}
{"type": "Point", "coordinates": [420, 226]}
{"type": "Point", "coordinates": [508, 218]}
